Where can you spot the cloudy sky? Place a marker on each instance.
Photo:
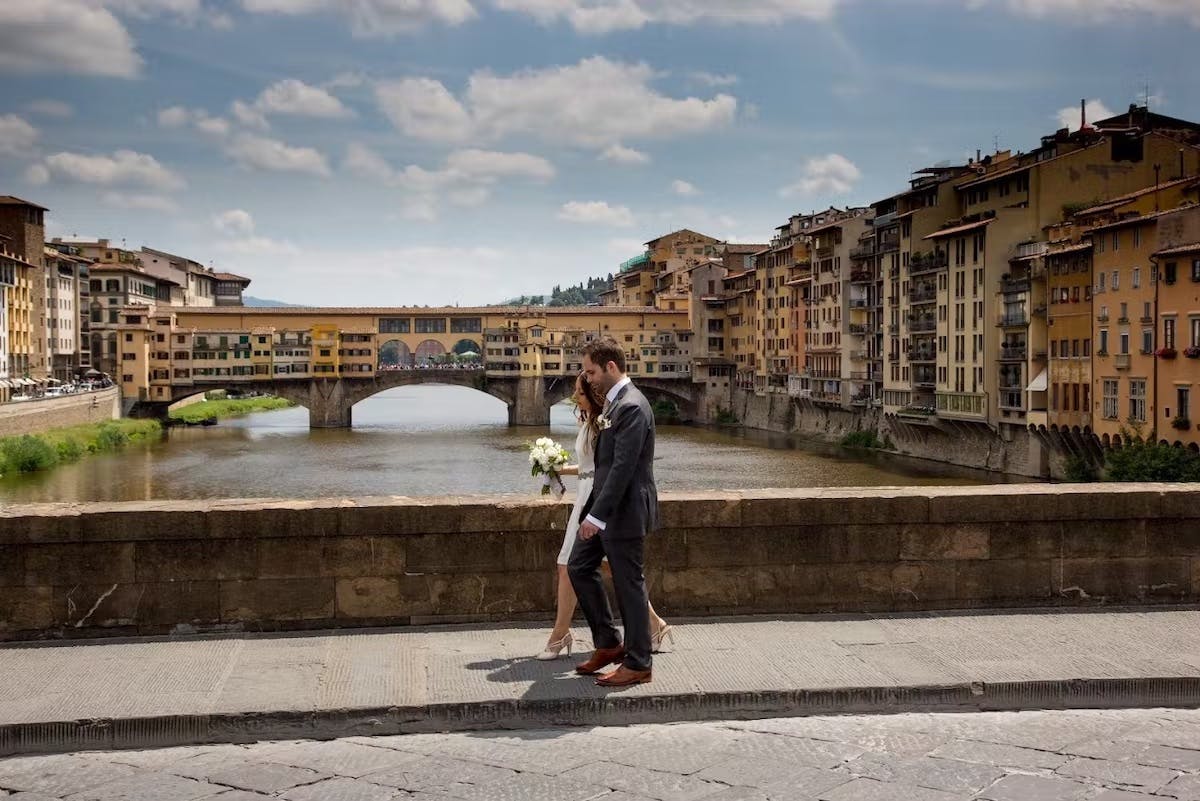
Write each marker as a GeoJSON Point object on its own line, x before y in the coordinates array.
{"type": "Point", "coordinates": [462, 151]}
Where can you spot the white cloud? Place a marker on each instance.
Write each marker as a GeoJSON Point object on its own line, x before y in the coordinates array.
{"type": "Point", "coordinates": [294, 97]}
{"type": "Point", "coordinates": [683, 188]}
{"type": "Point", "coordinates": [174, 117]}
{"type": "Point", "coordinates": [375, 18]}
{"type": "Point", "coordinates": [51, 108]}
{"type": "Point", "coordinates": [424, 108]}
{"type": "Point", "coordinates": [1069, 117]}
{"type": "Point", "coordinates": [262, 153]}
{"type": "Point", "coordinates": [596, 212]}
{"type": "Point", "coordinates": [488, 165]}
{"type": "Point", "coordinates": [17, 137]}
{"type": "Point", "coordinates": [181, 117]}
{"type": "Point", "coordinates": [1100, 10]}
{"type": "Point", "coordinates": [366, 163]}
{"type": "Point", "coordinates": [37, 174]}
{"type": "Point", "coordinates": [248, 115]}
{"type": "Point", "coordinates": [234, 222]}
{"type": "Point", "coordinates": [596, 103]}
{"type": "Point", "coordinates": [828, 175]}
{"type": "Point", "coordinates": [465, 179]}
{"type": "Point", "coordinates": [619, 154]}
{"type": "Point", "coordinates": [140, 202]}
{"type": "Point", "coordinates": [605, 16]}
{"type": "Point", "coordinates": [73, 36]}
{"type": "Point", "coordinates": [122, 168]}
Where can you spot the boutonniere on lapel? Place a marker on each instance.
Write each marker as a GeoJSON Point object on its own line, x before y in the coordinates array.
{"type": "Point", "coordinates": [604, 421]}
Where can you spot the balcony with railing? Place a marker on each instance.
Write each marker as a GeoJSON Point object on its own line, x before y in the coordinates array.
{"type": "Point", "coordinates": [924, 378]}
{"type": "Point", "coordinates": [858, 329]}
{"type": "Point", "coordinates": [889, 241]}
{"type": "Point", "coordinates": [922, 263]}
{"type": "Point", "coordinates": [863, 251]}
{"type": "Point", "coordinates": [1013, 285]}
{"type": "Point", "coordinates": [1122, 361]}
{"type": "Point", "coordinates": [1012, 399]}
{"type": "Point", "coordinates": [817, 372]}
{"type": "Point", "coordinates": [1013, 319]}
{"type": "Point", "coordinates": [919, 325]}
{"type": "Point", "coordinates": [859, 303]}
{"type": "Point", "coordinates": [924, 355]}
{"type": "Point", "coordinates": [862, 277]}
{"type": "Point", "coordinates": [1013, 352]}
{"type": "Point", "coordinates": [920, 295]}
{"type": "Point", "coordinates": [1027, 250]}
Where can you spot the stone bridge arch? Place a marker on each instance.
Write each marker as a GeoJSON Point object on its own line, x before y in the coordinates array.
{"type": "Point", "coordinates": [679, 391]}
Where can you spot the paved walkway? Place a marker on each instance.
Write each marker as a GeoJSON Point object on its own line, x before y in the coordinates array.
{"type": "Point", "coordinates": [240, 688]}
{"type": "Point", "coordinates": [1126, 755]}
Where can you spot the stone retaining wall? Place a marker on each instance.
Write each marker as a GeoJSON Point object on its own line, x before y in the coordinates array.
{"type": "Point", "coordinates": [33, 417]}
{"type": "Point", "coordinates": [143, 568]}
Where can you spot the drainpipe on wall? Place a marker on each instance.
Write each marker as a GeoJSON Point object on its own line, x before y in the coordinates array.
{"type": "Point", "coordinates": [1154, 315]}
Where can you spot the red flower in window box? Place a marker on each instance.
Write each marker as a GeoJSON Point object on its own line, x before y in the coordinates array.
{"type": "Point", "coordinates": [1193, 352]}
{"type": "Point", "coordinates": [1166, 353]}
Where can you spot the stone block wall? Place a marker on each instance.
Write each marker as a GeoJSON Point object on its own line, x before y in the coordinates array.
{"type": "Point", "coordinates": [32, 417]}
{"type": "Point", "coordinates": [152, 568]}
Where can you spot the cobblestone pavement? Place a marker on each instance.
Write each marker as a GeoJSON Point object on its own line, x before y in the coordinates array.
{"type": "Point", "coordinates": [1023, 756]}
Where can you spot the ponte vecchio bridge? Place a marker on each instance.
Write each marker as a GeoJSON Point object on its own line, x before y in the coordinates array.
{"type": "Point", "coordinates": [328, 359]}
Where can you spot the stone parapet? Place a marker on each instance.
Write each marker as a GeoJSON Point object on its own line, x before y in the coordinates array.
{"type": "Point", "coordinates": [33, 417]}
{"type": "Point", "coordinates": [160, 567]}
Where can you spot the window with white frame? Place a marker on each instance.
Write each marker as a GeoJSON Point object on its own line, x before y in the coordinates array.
{"type": "Point", "coordinates": [1137, 400]}
{"type": "Point", "coordinates": [1111, 407]}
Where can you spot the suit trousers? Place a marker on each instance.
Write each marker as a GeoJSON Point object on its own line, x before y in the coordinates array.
{"type": "Point", "coordinates": [625, 559]}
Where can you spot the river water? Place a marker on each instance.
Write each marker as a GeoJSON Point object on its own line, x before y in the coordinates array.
{"type": "Point", "coordinates": [435, 440]}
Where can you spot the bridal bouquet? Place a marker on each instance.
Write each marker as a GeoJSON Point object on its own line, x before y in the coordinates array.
{"type": "Point", "coordinates": [546, 458]}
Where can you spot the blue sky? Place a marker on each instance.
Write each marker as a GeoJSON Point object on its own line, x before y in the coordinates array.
{"type": "Point", "coordinates": [398, 152]}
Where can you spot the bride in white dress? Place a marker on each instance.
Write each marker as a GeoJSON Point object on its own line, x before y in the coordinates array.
{"type": "Point", "coordinates": [588, 405]}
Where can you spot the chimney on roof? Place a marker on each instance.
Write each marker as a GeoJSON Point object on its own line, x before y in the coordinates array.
{"type": "Point", "coordinates": [1083, 114]}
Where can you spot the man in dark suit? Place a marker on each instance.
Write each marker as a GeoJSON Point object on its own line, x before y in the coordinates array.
{"type": "Point", "coordinates": [623, 507]}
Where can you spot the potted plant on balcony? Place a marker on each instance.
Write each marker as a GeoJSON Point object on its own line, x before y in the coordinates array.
{"type": "Point", "coordinates": [1166, 353]}
{"type": "Point", "coordinates": [1181, 423]}
{"type": "Point", "coordinates": [1193, 352]}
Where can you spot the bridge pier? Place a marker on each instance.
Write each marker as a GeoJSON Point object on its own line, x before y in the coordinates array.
{"type": "Point", "coordinates": [530, 408]}
{"type": "Point", "coordinates": [329, 405]}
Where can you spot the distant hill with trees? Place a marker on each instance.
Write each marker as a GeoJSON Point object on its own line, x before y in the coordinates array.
{"type": "Point", "coordinates": [579, 295]}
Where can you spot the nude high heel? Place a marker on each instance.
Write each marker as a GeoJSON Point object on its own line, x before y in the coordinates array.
{"type": "Point", "coordinates": [656, 639]}
{"type": "Point", "coordinates": [555, 648]}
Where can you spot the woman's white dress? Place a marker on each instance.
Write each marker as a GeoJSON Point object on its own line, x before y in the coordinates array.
{"type": "Point", "coordinates": [586, 456]}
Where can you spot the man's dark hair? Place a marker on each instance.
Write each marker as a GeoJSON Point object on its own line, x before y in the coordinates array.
{"type": "Point", "coordinates": [604, 350]}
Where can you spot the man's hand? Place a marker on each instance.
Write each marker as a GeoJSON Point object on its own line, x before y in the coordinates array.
{"type": "Point", "coordinates": [587, 530]}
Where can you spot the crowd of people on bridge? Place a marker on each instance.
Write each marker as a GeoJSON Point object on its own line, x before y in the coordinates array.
{"type": "Point", "coordinates": [432, 366]}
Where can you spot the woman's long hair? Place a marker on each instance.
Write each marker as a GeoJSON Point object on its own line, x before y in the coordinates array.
{"type": "Point", "coordinates": [589, 417]}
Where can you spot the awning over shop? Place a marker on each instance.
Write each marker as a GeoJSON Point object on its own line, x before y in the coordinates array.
{"type": "Point", "coordinates": [1038, 384]}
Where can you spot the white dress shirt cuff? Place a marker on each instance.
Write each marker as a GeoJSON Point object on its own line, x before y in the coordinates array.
{"type": "Point", "coordinates": [594, 522]}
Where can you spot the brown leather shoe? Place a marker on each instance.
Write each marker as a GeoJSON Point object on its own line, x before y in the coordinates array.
{"type": "Point", "coordinates": [624, 677]}
{"type": "Point", "coordinates": [601, 658]}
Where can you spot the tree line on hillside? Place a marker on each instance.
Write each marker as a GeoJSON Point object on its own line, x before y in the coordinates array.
{"type": "Point", "coordinates": [581, 294]}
